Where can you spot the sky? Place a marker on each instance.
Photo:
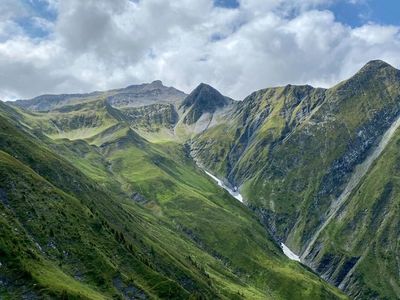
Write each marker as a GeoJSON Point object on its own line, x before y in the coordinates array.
{"type": "Point", "coordinates": [237, 46]}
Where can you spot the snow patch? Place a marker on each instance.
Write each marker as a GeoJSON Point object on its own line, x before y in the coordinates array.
{"type": "Point", "coordinates": [235, 193]}
{"type": "Point", "coordinates": [289, 253]}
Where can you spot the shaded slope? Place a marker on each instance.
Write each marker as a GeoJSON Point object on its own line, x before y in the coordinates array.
{"type": "Point", "coordinates": [203, 99]}
{"type": "Point", "coordinates": [258, 123]}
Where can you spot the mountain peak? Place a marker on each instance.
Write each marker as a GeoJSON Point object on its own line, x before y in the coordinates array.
{"type": "Point", "coordinates": [205, 85]}
{"type": "Point", "coordinates": [375, 65]}
{"type": "Point", "coordinates": [203, 99]}
{"type": "Point", "coordinates": [377, 62]}
{"type": "Point", "coordinates": [375, 68]}
{"type": "Point", "coordinates": [157, 83]}
{"type": "Point", "coordinates": [373, 71]}
{"type": "Point", "coordinates": [206, 96]}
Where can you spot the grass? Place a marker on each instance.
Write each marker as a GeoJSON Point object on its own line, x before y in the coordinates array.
{"type": "Point", "coordinates": [80, 231]}
{"type": "Point", "coordinates": [291, 150]}
{"type": "Point", "coordinates": [368, 228]}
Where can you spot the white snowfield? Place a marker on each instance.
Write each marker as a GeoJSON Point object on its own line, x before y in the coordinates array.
{"type": "Point", "coordinates": [239, 197]}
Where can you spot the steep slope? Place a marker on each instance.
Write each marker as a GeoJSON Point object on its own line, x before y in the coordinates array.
{"type": "Point", "coordinates": [125, 218]}
{"type": "Point", "coordinates": [293, 151]}
{"type": "Point", "coordinates": [257, 123]}
{"type": "Point", "coordinates": [81, 232]}
{"type": "Point", "coordinates": [359, 249]}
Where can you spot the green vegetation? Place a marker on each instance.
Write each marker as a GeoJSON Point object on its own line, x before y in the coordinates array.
{"type": "Point", "coordinates": [365, 236]}
{"type": "Point", "coordinates": [293, 149]}
{"type": "Point", "coordinates": [114, 216]}
{"type": "Point", "coordinates": [100, 197]}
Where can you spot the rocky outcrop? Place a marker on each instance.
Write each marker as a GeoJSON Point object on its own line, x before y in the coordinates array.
{"type": "Point", "coordinates": [152, 115]}
{"type": "Point", "coordinates": [145, 94]}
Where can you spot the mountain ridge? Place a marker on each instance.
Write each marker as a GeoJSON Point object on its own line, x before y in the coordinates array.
{"type": "Point", "coordinates": [143, 93]}
{"type": "Point", "coordinates": [291, 150]}
{"type": "Point", "coordinates": [114, 216]}
{"type": "Point", "coordinates": [304, 167]}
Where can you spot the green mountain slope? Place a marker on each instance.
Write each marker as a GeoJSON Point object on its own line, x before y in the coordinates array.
{"type": "Point", "coordinates": [317, 169]}
{"type": "Point", "coordinates": [360, 245]}
{"type": "Point", "coordinates": [114, 216]}
{"type": "Point", "coordinates": [293, 150]}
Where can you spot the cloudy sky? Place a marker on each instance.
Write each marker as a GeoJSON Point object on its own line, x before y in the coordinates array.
{"type": "Point", "coordinates": [238, 46]}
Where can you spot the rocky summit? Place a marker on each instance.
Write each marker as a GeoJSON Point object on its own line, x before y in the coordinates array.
{"type": "Point", "coordinates": [133, 193]}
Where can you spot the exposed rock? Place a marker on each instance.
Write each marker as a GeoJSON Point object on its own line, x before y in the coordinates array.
{"type": "Point", "coordinates": [203, 99]}
{"type": "Point", "coordinates": [138, 198]}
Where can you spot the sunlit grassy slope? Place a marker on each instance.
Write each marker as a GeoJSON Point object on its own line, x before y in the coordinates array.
{"type": "Point", "coordinates": [117, 217]}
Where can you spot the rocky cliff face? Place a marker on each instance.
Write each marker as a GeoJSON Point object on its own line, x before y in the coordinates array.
{"type": "Point", "coordinates": [152, 116]}
{"type": "Point", "coordinates": [203, 99]}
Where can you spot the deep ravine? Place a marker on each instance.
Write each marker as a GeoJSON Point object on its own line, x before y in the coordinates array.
{"type": "Point", "coordinates": [235, 193]}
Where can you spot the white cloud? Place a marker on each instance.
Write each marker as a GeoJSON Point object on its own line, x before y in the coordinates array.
{"type": "Point", "coordinates": [105, 44]}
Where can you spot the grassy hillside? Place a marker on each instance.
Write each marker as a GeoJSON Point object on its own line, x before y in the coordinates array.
{"type": "Point", "coordinates": [360, 246]}
{"type": "Point", "coordinates": [117, 217]}
{"type": "Point", "coordinates": [292, 151]}
{"type": "Point", "coordinates": [106, 201]}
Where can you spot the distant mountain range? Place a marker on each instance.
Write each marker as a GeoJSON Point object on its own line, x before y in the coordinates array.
{"type": "Point", "coordinates": [102, 195]}
{"type": "Point", "coordinates": [131, 96]}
